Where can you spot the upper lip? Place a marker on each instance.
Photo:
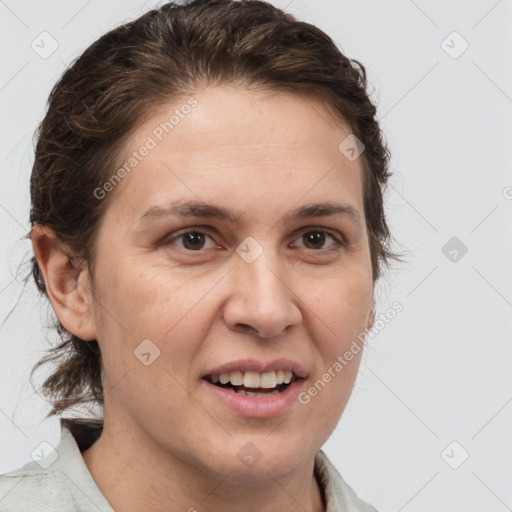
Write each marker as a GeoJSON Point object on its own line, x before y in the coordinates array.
{"type": "Point", "coordinates": [245, 365]}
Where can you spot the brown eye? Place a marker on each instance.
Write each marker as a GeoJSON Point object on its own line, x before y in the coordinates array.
{"type": "Point", "coordinates": [193, 240]}
{"type": "Point", "coordinates": [315, 239]}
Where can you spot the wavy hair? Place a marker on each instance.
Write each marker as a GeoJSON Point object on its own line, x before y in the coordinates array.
{"type": "Point", "coordinates": [108, 91]}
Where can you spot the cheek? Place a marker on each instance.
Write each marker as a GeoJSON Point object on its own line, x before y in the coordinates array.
{"type": "Point", "coordinates": [143, 298]}
{"type": "Point", "coordinates": [339, 314]}
{"type": "Point", "coordinates": [342, 307]}
{"type": "Point", "coordinates": [151, 313]}
{"type": "Point", "coordinates": [159, 305]}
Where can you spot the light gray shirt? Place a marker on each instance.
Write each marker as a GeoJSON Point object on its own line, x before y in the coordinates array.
{"type": "Point", "coordinates": [60, 481]}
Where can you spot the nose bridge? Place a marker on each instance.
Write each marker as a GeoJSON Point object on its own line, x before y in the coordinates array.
{"type": "Point", "coordinates": [260, 270]}
{"type": "Point", "coordinates": [261, 296]}
{"type": "Point", "coordinates": [264, 278]}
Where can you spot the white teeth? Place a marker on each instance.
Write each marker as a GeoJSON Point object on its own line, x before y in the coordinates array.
{"type": "Point", "coordinates": [252, 379]}
{"type": "Point", "coordinates": [268, 380]}
{"type": "Point", "coordinates": [236, 378]}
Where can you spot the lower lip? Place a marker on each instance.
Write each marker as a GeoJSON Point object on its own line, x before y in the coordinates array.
{"type": "Point", "coordinates": [257, 406]}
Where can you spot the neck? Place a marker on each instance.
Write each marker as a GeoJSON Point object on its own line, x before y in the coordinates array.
{"type": "Point", "coordinates": [135, 475]}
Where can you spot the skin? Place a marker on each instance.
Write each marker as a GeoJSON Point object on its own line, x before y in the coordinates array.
{"type": "Point", "coordinates": [166, 443]}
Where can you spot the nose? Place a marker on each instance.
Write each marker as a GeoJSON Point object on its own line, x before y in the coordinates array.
{"type": "Point", "coordinates": [262, 299]}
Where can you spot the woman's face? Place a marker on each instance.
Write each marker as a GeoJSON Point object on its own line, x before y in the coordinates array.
{"type": "Point", "coordinates": [253, 287]}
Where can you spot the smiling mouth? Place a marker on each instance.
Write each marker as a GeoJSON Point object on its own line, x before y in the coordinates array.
{"type": "Point", "coordinates": [249, 391]}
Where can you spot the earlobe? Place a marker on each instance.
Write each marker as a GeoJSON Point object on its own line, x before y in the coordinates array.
{"type": "Point", "coordinates": [67, 283]}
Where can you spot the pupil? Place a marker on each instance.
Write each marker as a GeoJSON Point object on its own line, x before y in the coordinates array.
{"type": "Point", "coordinates": [194, 237]}
{"type": "Point", "coordinates": [315, 237]}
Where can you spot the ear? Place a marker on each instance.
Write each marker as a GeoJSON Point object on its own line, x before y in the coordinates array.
{"type": "Point", "coordinates": [67, 283]}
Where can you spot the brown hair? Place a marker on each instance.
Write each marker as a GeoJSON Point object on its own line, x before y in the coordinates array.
{"type": "Point", "coordinates": [165, 54]}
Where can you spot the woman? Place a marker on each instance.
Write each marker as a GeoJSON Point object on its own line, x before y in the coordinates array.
{"type": "Point", "coordinates": [208, 225]}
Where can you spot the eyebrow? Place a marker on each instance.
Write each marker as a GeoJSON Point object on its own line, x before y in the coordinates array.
{"type": "Point", "coordinates": [207, 210]}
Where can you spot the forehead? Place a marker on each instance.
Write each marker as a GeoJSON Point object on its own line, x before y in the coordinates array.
{"type": "Point", "coordinates": [230, 144]}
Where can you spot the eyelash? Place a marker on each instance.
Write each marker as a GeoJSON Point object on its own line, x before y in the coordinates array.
{"type": "Point", "coordinates": [338, 243]}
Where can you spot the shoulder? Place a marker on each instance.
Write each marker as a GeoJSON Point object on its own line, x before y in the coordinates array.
{"type": "Point", "coordinates": [339, 495]}
{"type": "Point", "coordinates": [57, 480]}
{"type": "Point", "coordinates": [33, 488]}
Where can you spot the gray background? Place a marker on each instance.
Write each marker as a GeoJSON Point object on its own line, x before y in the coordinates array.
{"type": "Point", "coordinates": [440, 371]}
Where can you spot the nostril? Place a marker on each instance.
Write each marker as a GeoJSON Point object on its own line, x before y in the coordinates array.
{"type": "Point", "coordinates": [248, 329]}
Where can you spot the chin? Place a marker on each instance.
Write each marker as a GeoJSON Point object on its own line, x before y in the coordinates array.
{"type": "Point", "coordinates": [261, 458]}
